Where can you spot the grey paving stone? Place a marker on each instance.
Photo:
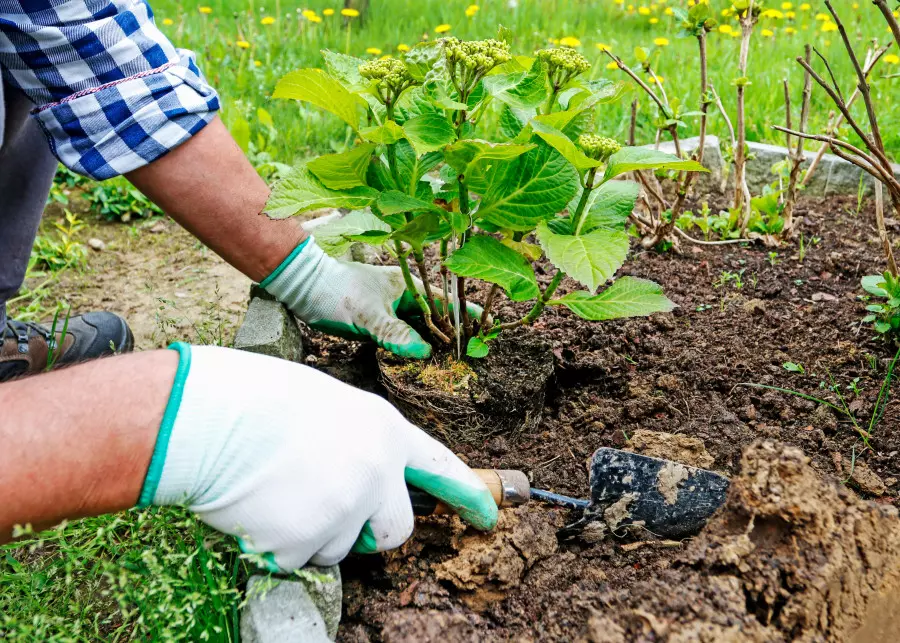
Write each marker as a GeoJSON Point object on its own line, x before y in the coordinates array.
{"type": "Point", "coordinates": [269, 329]}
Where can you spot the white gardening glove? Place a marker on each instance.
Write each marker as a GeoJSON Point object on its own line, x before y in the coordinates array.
{"type": "Point", "coordinates": [351, 300]}
{"type": "Point", "coordinates": [301, 467]}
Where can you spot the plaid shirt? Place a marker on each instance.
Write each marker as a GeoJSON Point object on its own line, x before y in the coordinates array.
{"type": "Point", "coordinates": [113, 94]}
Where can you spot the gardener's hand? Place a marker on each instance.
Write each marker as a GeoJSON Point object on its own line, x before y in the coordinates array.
{"type": "Point", "coordinates": [351, 300]}
{"type": "Point", "coordinates": [298, 465]}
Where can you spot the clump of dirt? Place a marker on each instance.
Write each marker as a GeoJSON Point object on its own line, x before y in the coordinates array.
{"type": "Point", "coordinates": [790, 557]}
{"type": "Point", "coordinates": [680, 448]}
{"type": "Point", "coordinates": [502, 394]}
{"type": "Point", "coordinates": [489, 564]}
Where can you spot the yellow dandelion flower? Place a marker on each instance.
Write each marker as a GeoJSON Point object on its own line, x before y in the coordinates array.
{"type": "Point", "coordinates": [205, 10]}
{"type": "Point", "coordinates": [787, 5]}
{"type": "Point", "coordinates": [767, 33]}
{"type": "Point", "coordinates": [855, 6]}
{"type": "Point", "coordinates": [603, 46]}
{"type": "Point", "coordinates": [653, 21]}
{"type": "Point", "coordinates": [661, 42]}
{"type": "Point", "coordinates": [403, 48]}
{"type": "Point", "coordinates": [644, 11]}
{"type": "Point", "coordinates": [243, 44]}
{"type": "Point", "coordinates": [726, 12]}
{"type": "Point", "coordinates": [892, 59]}
{"type": "Point", "coordinates": [375, 51]}
{"type": "Point", "coordinates": [268, 20]}
{"type": "Point", "coordinates": [257, 63]}
{"type": "Point", "coordinates": [350, 13]}
{"type": "Point", "coordinates": [612, 65]}
{"type": "Point", "coordinates": [824, 17]}
{"type": "Point", "coordinates": [691, 3]}
{"type": "Point", "coordinates": [442, 28]}
{"type": "Point", "coordinates": [726, 29]}
{"type": "Point", "coordinates": [772, 13]}
{"type": "Point", "coordinates": [306, 13]}
{"type": "Point", "coordinates": [620, 1]}
{"type": "Point", "coordinates": [805, 6]}
{"type": "Point", "coordinates": [471, 10]}
{"type": "Point", "coordinates": [790, 15]}
{"type": "Point", "coordinates": [657, 79]}
{"type": "Point", "coordinates": [327, 12]}
{"type": "Point", "coordinates": [168, 22]}
{"type": "Point", "coordinates": [790, 31]}
{"type": "Point", "coordinates": [828, 26]}
{"type": "Point", "coordinates": [314, 19]}
{"type": "Point", "coordinates": [669, 11]}
{"type": "Point", "coordinates": [570, 41]}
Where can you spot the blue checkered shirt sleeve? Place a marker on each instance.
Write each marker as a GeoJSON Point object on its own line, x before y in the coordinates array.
{"type": "Point", "coordinates": [113, 94]}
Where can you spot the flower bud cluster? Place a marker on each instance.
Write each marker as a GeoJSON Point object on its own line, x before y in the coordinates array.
{"type": "Point", "coordinates": [563, 64]}
{"type": "Point", "coordinates": [469, 61]}
{"type": "Point", "coordinates": [391, 77]}
{"type": "Point", "coordinates": [596, 147]}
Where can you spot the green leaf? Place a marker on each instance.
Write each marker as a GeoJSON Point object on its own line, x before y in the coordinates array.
{"type": "Point", "coordinates": [629, 159]}
{"type": "Point", "coordinates": [558, 141]}
{"type": "Point", "coordinates": [335, 238]}
{"type": "Point", "coordinates": [422, 58]}
{"type": "Point", "coordinates": [590, 258]}
{"type": "Point", "coordinates": [372, 237]}
{"type": "Point", "coordinates": [520, 90]}
{"type": "Point", "coordinates": [319, 89]}
{"type": "Point", "coordinates": [393, 202]}
{"type": "Point", "coordinates": [301, 191]}
{"type": "Point", "coordinates": [345, 69]}
{"type": "Point", "coordinates": [626, 297]}
{"type": "Point", "coordinates": [520, 193]}
{"type": "Point", "coordinates": [463, 154]}
{"type": "Point", "coordinates": [385, 134]}
{"type": "Point", "coordinates": [346, 170]}
{"type": "Point", "coordinates": [265, 118]}
{"type": "Point", "coordinates": [415, 232]}
{"type": "Point", "coordinates": [240, 132]}
{"type": "Point", "coordinates": [429, 132]}
{"type": "Point", "coordinates": [438, 95]}
{"type": "Point", "coordinates": [485, 258]}
{"type": "Point", "coordinates": [477, 348]}
{"type": "Point", "coordinates": [414, 103]}
{"type": "Point", "coordinates": [411, 168]}
{"type": "Point", "coordinates": [511, 122]}
{"type": "Point", "coordinates": [587, 94]}
{"type": "Point", "coordinates": [608, 206]}
{"type": "Point", "coordinates": [873, 284]}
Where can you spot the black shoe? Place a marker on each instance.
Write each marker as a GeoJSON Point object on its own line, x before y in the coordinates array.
{"type": "Point", "coordinates": [28, 348]}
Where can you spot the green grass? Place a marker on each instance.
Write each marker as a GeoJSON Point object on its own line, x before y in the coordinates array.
{"type": "Point", "coordinates": [246, 77]}
{"type": "Point", "coordinates": [154, 575]}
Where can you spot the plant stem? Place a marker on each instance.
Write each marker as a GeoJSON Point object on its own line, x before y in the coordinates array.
{"type": "Point", "coordinates": [741, 199]}
{"type": "Point", "coordinates": [578, 217]}
{"type": "Point", "coordinates": [539, 305]}
{"type": "Point", "coordinates": [411, 287]}
{"type": "Point", "coordinates": [488, 304]}
{"type": "Point", "coordinates": [419, 258]}
{"type": "Point", "coordinates": [445, 278]}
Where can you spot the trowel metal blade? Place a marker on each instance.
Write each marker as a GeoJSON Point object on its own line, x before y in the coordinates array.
{"type": "Point", "coordinates": [667, 498]}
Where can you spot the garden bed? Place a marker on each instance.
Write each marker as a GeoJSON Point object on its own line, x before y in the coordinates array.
{"type": "Point", "coordinates": [743, 313]}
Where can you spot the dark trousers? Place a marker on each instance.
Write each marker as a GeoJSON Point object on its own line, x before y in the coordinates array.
{"type": "Point", "coordinates": [26, 173]}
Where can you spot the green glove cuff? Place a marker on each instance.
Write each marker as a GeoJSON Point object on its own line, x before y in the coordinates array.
{"type": "Point", "coordinates": [284, 264]}
{"type": "Point", "coordinates": [154, 473]}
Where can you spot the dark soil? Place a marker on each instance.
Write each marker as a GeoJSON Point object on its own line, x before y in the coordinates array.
{"type": "Point", "coordinates": [742, 314]}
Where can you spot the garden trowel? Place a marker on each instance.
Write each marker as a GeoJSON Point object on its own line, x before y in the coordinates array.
{"type": "Point", "coordinates": [667, 498]}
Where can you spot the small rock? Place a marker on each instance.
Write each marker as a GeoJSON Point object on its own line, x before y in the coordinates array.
{"type": "Point", "coordinates": [680, 448]}
{"type": "Point", "coordinates": [890, 482]}
{"type": "Point", "coordinates": [96, 244]}
{"type": "Point", "coordinates": [158, 227]}
{"type": "Point", "coordinates": [823, 296]}
{"type": "Point", "coordinates": [755, 307]}
{"type": "Point", "coordinates": [867, 480]}
{"type": "Point", "coordinates": [749, 412]}
{"type": "Point", "coordinates": [270, 329]}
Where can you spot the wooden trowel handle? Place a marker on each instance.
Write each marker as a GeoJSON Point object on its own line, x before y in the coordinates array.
{"type": "Point", "coordinates": [508, 488]}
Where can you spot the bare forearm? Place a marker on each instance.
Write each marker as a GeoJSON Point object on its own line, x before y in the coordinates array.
{"type": "Point", "coordinates": [208, 186]}
{"type": "Point", "coordinates": [78, 441]}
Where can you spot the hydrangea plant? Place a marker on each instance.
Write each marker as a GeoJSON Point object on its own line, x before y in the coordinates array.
{"type": "Point", "coordinates": [492, 160]}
